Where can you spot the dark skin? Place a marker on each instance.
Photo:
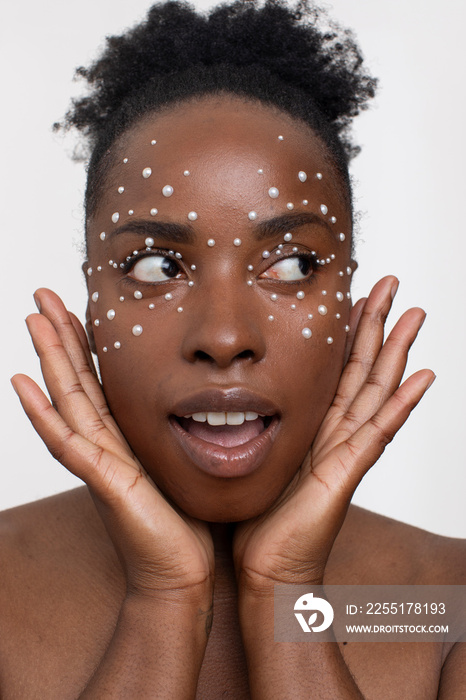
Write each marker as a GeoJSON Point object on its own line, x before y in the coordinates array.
{"type": "Point", "coordinates": [136, 570]}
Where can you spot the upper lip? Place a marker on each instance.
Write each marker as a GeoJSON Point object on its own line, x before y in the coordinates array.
{"type": "Point", "coordinates": [233, 399]}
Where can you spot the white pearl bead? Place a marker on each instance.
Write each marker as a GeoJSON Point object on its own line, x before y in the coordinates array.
{"type": "Point", "coordinates": [348, 295]}
{"type": "Point", "coordinates": [136, 330]}
{"type": "Point", "coordinates": [115, 217]}
{"type": "Point", "coordinates": [192, 216]}
{"type": "Point", "coordinates": [333, 219]}
{"type": "Point", "coordinates": [153, 142]}
{"type": "Point", "coordinates": [138, 295]}
{"type": "Point", "coordinates": [347, 328]}
{"type": "Point", "coordinates": [125, 160]}
{"type": "Point", "coordinates": [102, 236]}
{"type": "Point", "coordinates": [122, 298]}
{"type": "Point", "coordinates": [310, 317]}
{"type": "Point", "coordinates": [105, 349]}
{"type": "Point", "coordinates": [237, 241]}
{"type": "Point", "coordinates": [168, 296]}
{"type": "Point", "coordinates": [111, 314]}
{"type": "Point", "coordinates": [121, 190]}
{"type": "Point", "coordinates": [323, 209]}
{"type": "Point", "coordinates": [250, 268]}
{"type": "Point", "coordinates": [154, 211]}
{"type": "Point", "coordinates": [96, 322]}
{"type": "Point", "coordinates": [349, 271]}
{"type": "Point", "coordinates": [190, 283]}
{"type": "Point", "coordinates": [273, 297]}
{"type": "Point", "coordinates": [319, 176]}
{"type": "Point", "coordinates": [147, 172]}
{"type": "Point", "coordinates": [302, 176]}
{"type": "Point", "coordinates": [151, 306]}
{"type": "Point", "coordinates": [294, 249]}
{"type": "Point", "coordinates": [307, 333]}
{"type": "Point", "coordinates": [252, 216]}
{"type": "Point", "coordinates": [341, 274]}
{"type": "Point", "coordinates": [280, 138]}
{"type": "Point", "coordinates": [273, 192]}
{"type": "Point", "coordinates": [186, 173]}
{"type": "Point", "coordinates": [290, 206]}
{"type": "Point", "coordinates": [180, 309]}
{"type": "Point", "coordinates": [149, 242]}
{"type": "Point", "coordinates": [322, 309]}
{"type": "Point", "coordinates": [249, 283]}
{"type": "Point", "coordinates": [117, 345]}
{"type": "Point", "coordinates": [338, 316]}
{"type": "Point", "coordinates": [324, 292]}
{"type": "Point", "coordinates": [300, 295]}
{"type": "Point", "coordinates": [260, 171]}
{"type": "Point", "coordinates": [266, 254]}
{"type": "Point", "coordinates": [167, 191]}
{"type": "Point", "coordinates": [329, 340]}
{"type": "Point", "coordinates": [305, 202]}
{"type": "Point", "coordinates": [193, 267]}
{"type": "Point", "coordinates": [178, 256]}
{"type": "Point", "coordinates": [131, 212]}
{"type": "Point", "coordinates": [271, 318]}
{"type": "Point", "coordinates": [293, 306]}
{"type": "Point", "coordinates": [89, 271]}
{"type": "Point", "coordinates": [95, 296]}
{"type": "Point", "coordinates": [211, 242]}
{"type": "Point", "coordinates": [340, 296]}
{"type": "Point", "coordinates": [341, 236]}
{"type": "Point", "coordinates": [99, 268]}
{"type": "Point", "coordinates": [287, 237]}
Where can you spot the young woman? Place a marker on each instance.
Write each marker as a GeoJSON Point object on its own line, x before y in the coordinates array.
{"type": "Point", "coordinates": [242, 397]}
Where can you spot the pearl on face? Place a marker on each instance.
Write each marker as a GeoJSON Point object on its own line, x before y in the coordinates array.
{"type": "Point", "coordinates": [339, 296]}
{"type": "Point", "coordinates": [147, 172]}
{"type": "Point", "coordinates": [338, 316]}
{"type": "Point", "coordinates": [341, 236]}
{"type": "Point", "coordinates": [322, 309]}
{"type": "Point", "coordinates": [273, 192]}
{"type": "Point", "coordinates": [273, 297]}
{"type": "Point", "coordinates": [167, 191]}
{"type": "Point", "coordinates": [250, 268]}
{"type": "Point", "coordinates": [178, 256]}
{"type": "Point", "coordinates": [95, 296]}
{"type": "Point", "coordinates": [237, 241]}
{"type": "Point", "coordinates": [349, 271]}
{"type": "Point", "coordinates": [307, 333]}
{"type": "Point", "coordinates": [105, 349]}
{"type": "Point", "coordinates": [280, 138]}
{"type": "Point", "coordinates": [99, 268]}
{"type": "Point", "coordinates": [121, 190]}
{"type": "Point", "coordinates": [266, 254]}
{"type": "Point", "coordinates": [324, 292]}
{"type": "Point", "coordinates": [102, 236]}
{"type": "Point", "coordinates": [319, 176]}
{"type": "Point", "coordinates": [323, 209]}
{"type": "Point", "coordinates": [115, 217]}
{"type": "Point", "coordinates": [131, 212]}
{"type": "Point", "coordinates": [122, 298]}
{"type": "Point", "coordinates": [211, 242]}
{"type": "Point", "coordinates": [96, 322]}
{"type": "Point", "coordinates": [252, 216]}
{"type": "Point", "coordinates": [302, 176]}
{"type": "Point", "coordinates": [329, 340]}
{"type": "Point", "coordinates": [310, 317]}
{"type": "Point", "coordinates": [137, 294]}
{"type": "Point", "coordinates": [168, 296]}
{"type": "Point", "coordinates": [341, 274]}
{"type": "Point", "coordinates": [249, 283]}
{"type": "Point", "coordinates": [193, 267]}
{"type": "Point", "coordinates": [149, 242]}
{"type": "Point", "coordinates": [333, 219]}
{"type": "Point", "coordinates": [300, 295]}
{"type": "Point", "coordinates": [89, 271]}
{"type": "Point", "coordinates": [271, 318]}
{"type": "Point", "coordinates": [305, 202]}
{"type": "Point", "coordinates": [180, 309]}
{"type": "Point", "coordinates": [154, 211]}
{"type": "Point", "coordinates": [192, 216]}
{"type": "Point", "coordinates": [125, 160]}
{"type": "Point", "coordinates": [186, 173]}
{"type": "Point", "coordinates": [151, 306]}
{"type": "Point", "coordinates": [347, 328]}
{"type": "Point", "coordinates": [153, 142]}
{"type": "Point", "coordinates": [287, 237]}
{"type": "Point", "coordinates": [111, 314]}
{"type": "Point", "coordinates": [260, 171]}
{"type": "Point", "coordinates": [293, 306]}
{"type": "Point", "coordinates": [117, 345]}
{"type": "Point", "coordinates": [190, 283]}
{"type": "Point", "coordinates": [290, 205]}
{"type": "Point", "coordinates": [136, 330]}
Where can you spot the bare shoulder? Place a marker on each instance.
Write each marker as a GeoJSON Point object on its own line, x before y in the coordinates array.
{"type": "Point", "coordinates": [61, 589]}
{"type": "Point", "coordinates": [375, 549]}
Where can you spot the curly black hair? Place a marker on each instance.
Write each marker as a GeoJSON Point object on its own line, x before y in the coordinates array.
{"type": "Point", "coordinates": [268, 51]}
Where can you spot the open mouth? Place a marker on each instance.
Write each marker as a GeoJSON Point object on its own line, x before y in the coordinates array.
{"type": "Point", "coordinates": [228, 429]}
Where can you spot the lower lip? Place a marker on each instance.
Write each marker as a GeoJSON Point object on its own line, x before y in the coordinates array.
{"type": "Point", "coordinates": [227, 462]}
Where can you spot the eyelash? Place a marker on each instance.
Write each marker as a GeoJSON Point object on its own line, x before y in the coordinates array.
{"type": "Point", "coordinates": [127, 265]}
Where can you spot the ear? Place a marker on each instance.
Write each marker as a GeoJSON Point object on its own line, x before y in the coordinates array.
{"type": "Point", "coordinates": [90, 330]}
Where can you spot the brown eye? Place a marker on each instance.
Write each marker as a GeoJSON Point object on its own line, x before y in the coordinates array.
{"type": "Point", "coordinates": [291, 269]}
{"type": "Point", "coordinates": [155, 268]}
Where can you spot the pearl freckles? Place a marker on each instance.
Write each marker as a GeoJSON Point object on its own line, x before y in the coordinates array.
{"type": "Point", "coordinates": [287, 237]}
{"type": "Point", "coordinates": [151, 306]}
{"type": "Point", "coordinates": [168, 296]}
{"type": "Point", "coordinates": [271, 318]}
{"type": "Point", "coordinates": [211, 242]}
{"type": "Point", "coordinates": [193, 267]}
{"type": "Point", "coordinates": [186, 173]}
{"type": "Point", "coordinates": [192, 216]}
{"type": "Point", "coordinates": [266, 254]}
{"type": "Point", "coordinates": [329, 340]}
{"type": "Point", "coordinates": [347, 328]}
{"type": "Point", "coordinates": [115, 217]}
{"type": "Point", "coordinates": [167, 191]}
{"type": "Point", "coordinates": [322, 309]}
{"type": "Point", "coordinates": [137, 294]}
{"type": "Point", "coordinates": [180, 309]}
{"type": "Point", "coordinates": [96, 322]}
{"type": "Point", "coordinates": [341, 236]}
{"type": "Point", "coordinates": [300, 295]}
{"type": "Point", "coordinates": [147, 172]}
{"type": "Point", "coordinates": [323, 209]}
{"type": "Point", "coordinates": [105, 349]}
{"type": "Point", "coordinates": [280, 138]}
{"type": "Point", "coordinates": [319, 176]}
{"type": "Point", "coordinates": [250, 268]}
{"type": "Point", "coordinates": [333, 219]}
{"type": "Point", "coordinates": [117, 345]}
{"type": "Point", "coordinates": [273, 297]}
{"type": "Point", "coordinates": [95, 296]}
{"type": "Point", "coordinates": [305, 202]}
{"type": "Point", "coordinates": [89, 271]}
{"type": "Point", "coordinates": [302, 176]}
{"type": "Point", "coordinates": [125, 160]}
{"type": "Point", "coordinates": [111, 314]}
{"type": "Point", "coordinates": [154, 211]}
{"type": "Point", "coordinates": [153, 142]}
{"type": "Point", "coordinates": [131, 212]}
{"type": "Point", "coordinates": [307, 333]}
{"type": "Point", "coordinates": [290, 205]}
{"type": "Point", "coordinates": [339, 296]}
{"type": "Point", "coordinates": [102, 236]}
{"type": "Point", "coordinates": [136, 330]}
{"type": "Point", "coordinates": [149, 242]}
{"type": "Point", "coordinates": [252, 216]}
{"type": "Point", "coordinates": [249, 283]}
{"type": "Point", "coordinates": [273, 192]}
{"type": "Point", "coordinates": [121, 190]}
{"type": "Point", "coordinates": [237, 241]}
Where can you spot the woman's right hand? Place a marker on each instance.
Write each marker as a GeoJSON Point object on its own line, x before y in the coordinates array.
{"type": "Point", "coordinates": [162, 551]}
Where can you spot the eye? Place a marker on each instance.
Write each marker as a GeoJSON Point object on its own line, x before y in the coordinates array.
{"type": "Point", "coordinates": [292, 269]}
{"type": "Point", "coordinates": [155, 268]}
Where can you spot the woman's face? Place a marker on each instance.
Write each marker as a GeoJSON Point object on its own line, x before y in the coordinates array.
{"type": "Point", "coordinates": [219, 277]}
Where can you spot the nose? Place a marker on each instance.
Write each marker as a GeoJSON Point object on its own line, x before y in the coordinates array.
{"type": "Point", "coordinates": [223, 329]}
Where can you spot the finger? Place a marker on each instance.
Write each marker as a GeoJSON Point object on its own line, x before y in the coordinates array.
{"type": "Point", "coordinates": [74, 340]}
{"type": "Point", "coordinates": [367, 343]}
{"type": "Point", "coordinates": [355, 316]}
{"type": "Point", "coordinates": [349, 461]}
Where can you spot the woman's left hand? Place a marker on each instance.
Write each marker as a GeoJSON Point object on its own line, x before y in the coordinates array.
{"type": "Point", "coordinates": [291, 542]}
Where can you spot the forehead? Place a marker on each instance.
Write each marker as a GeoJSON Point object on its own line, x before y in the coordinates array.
{"type": "Point", "coordinates": [219, 157]}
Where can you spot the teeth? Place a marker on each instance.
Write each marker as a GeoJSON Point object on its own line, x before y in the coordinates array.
{"type": "Point", "coordinates": [230, 418]}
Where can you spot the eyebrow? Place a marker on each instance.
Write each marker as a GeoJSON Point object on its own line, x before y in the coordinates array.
{"type": "Point", "coordinates": [184, 233]}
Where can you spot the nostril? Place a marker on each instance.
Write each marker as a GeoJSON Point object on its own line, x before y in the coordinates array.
{"type": "Point", "coordinates": [201, 355]}
{"type": "Point", "coordinates": [245, 355]}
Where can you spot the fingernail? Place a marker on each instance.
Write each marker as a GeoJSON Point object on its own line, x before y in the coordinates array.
{"type": "Point", "coordinates": [431, 382]}
{"type": "Point", "coordinates": [37, 302]}
{"type": "Point", "coordinates": [394, 289]}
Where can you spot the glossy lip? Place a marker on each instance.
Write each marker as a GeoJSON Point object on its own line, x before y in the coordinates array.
{"type": "Point", "coordinates": [216, 460]}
